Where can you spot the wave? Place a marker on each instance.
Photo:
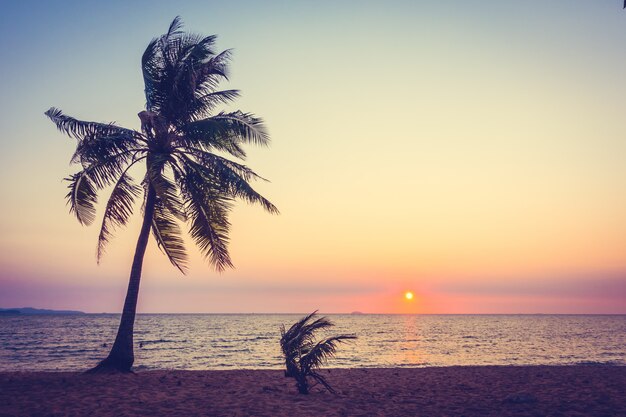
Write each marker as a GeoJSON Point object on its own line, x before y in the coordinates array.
{"type": "Point", "coordinates": [183, 342]}
{"type": "Point", "coordinates": [600, 363]}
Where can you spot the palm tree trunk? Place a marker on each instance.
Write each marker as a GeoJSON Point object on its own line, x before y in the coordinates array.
{"type": "Point", "coordinates": [121, 357]}
{"type": "Point", "coordinates": [302, 383]}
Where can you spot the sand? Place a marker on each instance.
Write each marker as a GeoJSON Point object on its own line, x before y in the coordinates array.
{"type": "Point", "coordinates": [451, 391]}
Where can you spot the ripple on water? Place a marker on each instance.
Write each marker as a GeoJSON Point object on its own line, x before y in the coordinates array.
{"type": "Point", "coordinates": [251, 341]}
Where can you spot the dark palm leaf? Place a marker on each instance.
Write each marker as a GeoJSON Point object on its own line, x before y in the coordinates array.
{"type": "Point", "coordinates": [203, 77]}
{"type": "Point", "coordinates": [168, 236]}
{"type": "Point", "coordinates": [224, 132]}
{"type": "Point", "coordinates": [246, 126]}
{"type": "Point", "coordinates": [202, 104]}
{"type": "Point", "coordinates": [193, 59]}
{"type": "Point", "coordinates": [118, 210]}
{"type": "Point", "coordinates": [319, 378]}
{"type": "Point", "coordinates": [175, 27]}
{"type": "Point", "coordinates": [209, 229]}
{"type": "Point", "coordinates": [80, 129]}
{"type": "Point", "coordinates": [216, 170]}
{"type": "Point", "coordinates": [301, 334]}
{"type": "Point", "coordinates": [209, 135]}
{"type": "Point", "coordinates": [165, 189]}
{"type": "Point", "coordinates": [322, 351]}
{"type": "Point", "coordinates": [107, 170]}
{"type": "Point", "coordinates": [207, 210]}
{"type": "Point", "coordinates": [207, 159]}
{"type": "Point", "coordinates": [94, 147]}
{"type": "Point", "coordinates": [82, 197]}
{"type": "Point", "coordinates": [157, 67]}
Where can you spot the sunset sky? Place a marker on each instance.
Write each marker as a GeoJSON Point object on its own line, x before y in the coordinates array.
{"type": "Point", "coordinates": [472, 152]}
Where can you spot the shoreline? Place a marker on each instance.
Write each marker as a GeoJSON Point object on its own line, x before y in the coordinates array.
{"type": "Point", "coordinates": [537, 390]}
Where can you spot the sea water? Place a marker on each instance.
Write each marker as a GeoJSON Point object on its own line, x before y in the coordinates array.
{"type": "Point", "coordinates": [251, 341]}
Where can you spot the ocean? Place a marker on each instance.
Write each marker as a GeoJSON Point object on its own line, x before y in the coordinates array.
{"type": "Point", "coordinates": [250, 341]}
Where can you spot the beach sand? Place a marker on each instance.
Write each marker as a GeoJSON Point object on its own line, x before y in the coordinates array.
{"type": "Point", "coordinates": [451, 391]}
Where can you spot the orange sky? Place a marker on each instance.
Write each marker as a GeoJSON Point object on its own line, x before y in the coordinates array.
{"type": "Point", "coordinates": [472, 154]}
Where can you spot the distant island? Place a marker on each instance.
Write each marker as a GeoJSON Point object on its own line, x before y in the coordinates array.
{"type": "Point", "coordinates": [35, 311]}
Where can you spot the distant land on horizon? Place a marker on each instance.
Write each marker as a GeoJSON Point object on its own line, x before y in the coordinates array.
{"type": "Point", "coordinates": [24, 311]}
{"type": "Point", "coordinates": [36, 311]}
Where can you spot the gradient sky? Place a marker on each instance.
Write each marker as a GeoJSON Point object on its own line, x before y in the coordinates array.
{"type": "Point", "coordinates": [473, 152]}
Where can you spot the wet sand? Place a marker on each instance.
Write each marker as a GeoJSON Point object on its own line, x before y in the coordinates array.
{"type": "Point", "coordinates": [452, 391]}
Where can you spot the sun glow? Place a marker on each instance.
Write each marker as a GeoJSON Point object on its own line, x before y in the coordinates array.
{"type": "Point", "coordinates": [408, 295]}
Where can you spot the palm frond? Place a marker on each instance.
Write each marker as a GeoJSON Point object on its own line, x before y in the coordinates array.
{"type": "Point", "coordinates": [168, 236]}
{"type": "Point", "coordinates": [118, 210]}
{"type": "Point", "coordinates": [150, 63]}
{"type": "Point", "coordinates": [247, 127]}
{"type": "Point", "coordinates": [203, 103]}
{"type": "Point", "coordinates": [157, 66]}
{"type": "Point", "coordinates": [207, 70]}
{"type": "Point", "coordinates": [289, 335]}
{"type": "Point", "coordinates": [210, 160]}
{"type": "Point", "coordinates": [89, 151]}
{"type": "Point", "coordinates": [82, 197]}
{"type": "Point", "coordinates": [195, 58]}
{"type": "Point", "coordinates": [210, 228]}
{"type": "Point", "coordinates": [319, 378]}
{"type": "Point", "coordinates": [106, 171]}
{"type": "Point", "coordinates": [231, 177]}
{"type": "Point", "coordinates": [175, 27]}
{"type": "Point", "coordinates": [210, 136]}
{"type": "Point", "coordinates": [165, 189]}
{"type": "Point", "coordinates": [322, 351]}
{"type": "Point", "coordinates": [168, 41]}
{"type": "Point", "coordinates": [79, 129]}
{"type": "Point", "coordinates": [207, 210]}
{"type": "Point", "coordinates": [303, 332]}
{"type": "Point", "coordinates": [224, 132]}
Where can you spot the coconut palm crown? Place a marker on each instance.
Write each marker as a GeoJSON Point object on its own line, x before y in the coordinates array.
{"type": "Point", "coordinates": [187, 150]}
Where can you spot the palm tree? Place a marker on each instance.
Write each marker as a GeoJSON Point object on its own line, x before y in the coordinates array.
{"type": "Point", "coordinates": [301, 334]}
{"type": "Point", "coordinates": [303, 355]}
{"type": "Point", "coordinates": [186, 178]}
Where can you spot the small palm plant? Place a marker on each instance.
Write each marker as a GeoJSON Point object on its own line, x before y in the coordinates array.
{"type": "Point", "coordinates": [304, 356]}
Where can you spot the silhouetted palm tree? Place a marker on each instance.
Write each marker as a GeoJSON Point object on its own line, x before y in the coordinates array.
{"type": "Point", "coordinates": [300, 335]}
{"type": "Point", "coordinates": [185, 180]}
{"type": "Point", "coordinates": [303, 355]}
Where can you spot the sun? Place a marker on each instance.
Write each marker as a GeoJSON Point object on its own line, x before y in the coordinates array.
{"type": "Point", "coordinates": [408, 295]}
